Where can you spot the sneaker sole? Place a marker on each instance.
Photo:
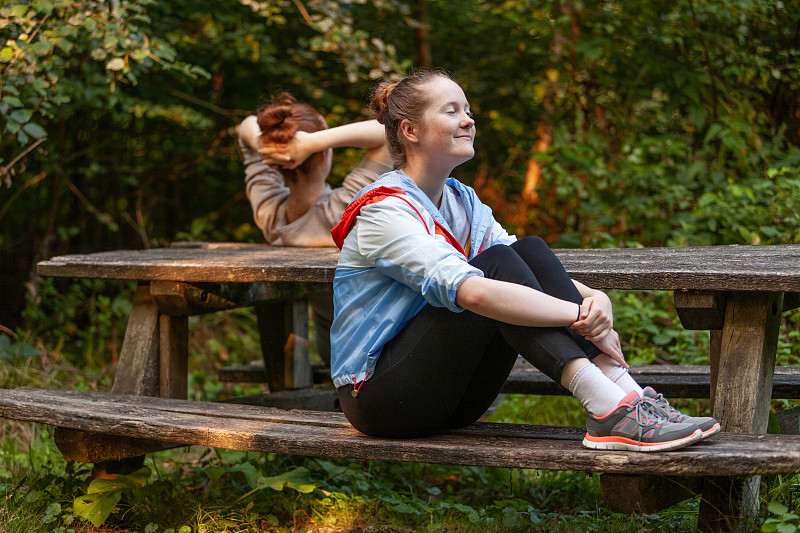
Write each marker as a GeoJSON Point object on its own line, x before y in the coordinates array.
{"type": "Point", "coordinates": [621, 443]}
{"type": "Point", "coordinates": [711, 432]}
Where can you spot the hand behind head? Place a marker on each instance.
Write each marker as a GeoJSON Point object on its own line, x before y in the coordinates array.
{"type": "Point", "coordinates": [288, 155]}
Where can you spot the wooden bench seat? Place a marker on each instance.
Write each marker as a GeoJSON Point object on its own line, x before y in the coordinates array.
{"type": "Point", "coordinates": [319, 434]}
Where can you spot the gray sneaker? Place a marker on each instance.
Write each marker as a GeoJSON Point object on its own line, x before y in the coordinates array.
{"type": "Point", "coordinates": [709, 426]}
{"type": "Point", "coordinates": [639, 426]}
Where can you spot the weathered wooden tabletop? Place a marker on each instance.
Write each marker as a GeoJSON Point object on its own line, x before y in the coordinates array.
{"type": "Point", "coordinates": [706, 268]}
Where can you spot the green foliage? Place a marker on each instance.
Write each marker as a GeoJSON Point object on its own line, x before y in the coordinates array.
{"type": "Point", "coordinates": [103, 495]}
{"type": "Point", "coordinates": [139, 101]}
{"type": "Point", "coordinates": [766, 211]}
{"type": "Point", "coordinates": [83, 320]}
{"type": "Point", "coordinates": [213, 491]}
{"type": "Point", "coordinates": [789, 340]}
{"type": "Point", "coordinates": [649, 107]}
{"type": "Point", "coordinates": [298, 479]}
{"type": "Point", "coordinates": [36, 484]}
{"type": "Point", "coordinates": [651, 331]}
{"type": "Point", "coordinates": [12, 350]}
{"type": "Point", "coordinates": [59, 51]}
{"type": "Point", "coordinates": [782, 522]}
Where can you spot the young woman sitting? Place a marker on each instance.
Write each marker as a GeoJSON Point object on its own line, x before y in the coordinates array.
{"type": "Point", "coordinates": [434, 300]}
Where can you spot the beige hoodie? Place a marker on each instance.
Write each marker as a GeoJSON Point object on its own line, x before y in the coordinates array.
{"type": "Point", "coordinates": [268, 194]}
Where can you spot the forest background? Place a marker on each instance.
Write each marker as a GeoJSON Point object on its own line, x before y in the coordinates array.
{"type": "Point", "coordinates": [600, 124]}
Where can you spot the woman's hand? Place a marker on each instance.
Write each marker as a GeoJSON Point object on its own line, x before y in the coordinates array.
{"type": "Point", "coordinates": [288, 155]}
{"type": "Point", "coordinates": [612, 348]}
{"type": "Point", "coordinates": [596, 317]}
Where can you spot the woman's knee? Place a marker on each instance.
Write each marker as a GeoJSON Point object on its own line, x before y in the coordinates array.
{"type": "Point", "coordinates": [533, 244]}
{"type": "Point", "coordinates": [544, 263]}
{"type": "Point", "coordinates": [498, 251]}
{"type": "Point", "coordinates": [503, 263]}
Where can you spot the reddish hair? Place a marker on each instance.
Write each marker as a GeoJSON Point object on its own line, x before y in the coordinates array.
{"type": "Point", "coordinates": [405, 99]}
{"type": "Point", "coordinates": [282, 118]}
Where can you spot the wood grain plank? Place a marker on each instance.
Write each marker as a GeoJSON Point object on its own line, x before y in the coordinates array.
{"type": "Point", "coordinates": [700, 310]}
{"type": "Point", "coordinates": [173, 356]}
{"type": "Point", "coordinates": [90, 447]}
{"type": "Point", "coordinates": [674, 381]}
{"type": "Point", "coordinates": [707, 268]}
{"type": "Point", "coordinates": [743, 374]}
{"type": "Point", "coordinates": [138, 368]}
{"type": "Point", "coordinates": [747, 361]}
{"type": "Point", "coordinates": [494, 445]}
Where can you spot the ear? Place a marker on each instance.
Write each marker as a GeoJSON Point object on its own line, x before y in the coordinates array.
{"type": "Point", "coordinates": [409, 131]}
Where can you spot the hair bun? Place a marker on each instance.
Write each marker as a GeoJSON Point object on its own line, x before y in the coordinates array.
{"type": "Point", "coordinates": [281, 118]}
{"type": "Point", "coordinates": [272, 119]}
{"type": "Point", "coordinates": [380, 100]}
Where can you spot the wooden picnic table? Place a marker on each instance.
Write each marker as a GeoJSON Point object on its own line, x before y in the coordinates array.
{"type": "Point", "coordinates": [736, 292]}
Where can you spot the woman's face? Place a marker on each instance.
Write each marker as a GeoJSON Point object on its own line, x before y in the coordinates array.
{"type": "Point", "coordinates": [447, 129]}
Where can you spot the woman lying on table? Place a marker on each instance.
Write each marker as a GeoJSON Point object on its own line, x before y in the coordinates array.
{"type": "Point", "coordinates": [287, 151]}
{"type": "Point", "coordinates": [434, 300]}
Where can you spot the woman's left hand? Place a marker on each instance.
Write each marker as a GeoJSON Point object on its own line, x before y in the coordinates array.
{"type": "Point", "coordinates": [596, 317]}
{"type": "Point", "coordinates": [611, 346]}
{"type": "Point", "coordinates": [288, 155]}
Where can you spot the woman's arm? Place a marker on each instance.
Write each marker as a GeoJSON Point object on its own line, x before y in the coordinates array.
{"type": "Point", "coordinates": [264, 185]}
{"type": "Point", "coordinates": [514, 304]}
{"type": "Point", "coordinates": [368, 134]}
{"type": "Point", "coordinates": [523, 306]}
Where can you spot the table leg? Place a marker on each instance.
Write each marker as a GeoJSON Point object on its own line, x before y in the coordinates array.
{"type": "Point", "coordinates": [714, 345]}
{"type": "Point", "coordinates": [138, 367]}
{"type": "Point", "coordinates": [154, 356]}
{"type": "Point", "coordinates": [153, 362]}
{"type": "Point", "coordinates": [283, 326]}
{"type": "Point", "coordinates": [741, 386]}
{"type": "Point", "coordinates": [173, 356]}
{"type": "Point", "coordinates": [137, 373]}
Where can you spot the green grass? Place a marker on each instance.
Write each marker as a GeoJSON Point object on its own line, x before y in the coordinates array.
{"type": "Point", "coordinates": [217, 490]}
{"type": "Point", "coordinates": [209, 490]}
{"type": "Point", "coordinates": [197, 489]}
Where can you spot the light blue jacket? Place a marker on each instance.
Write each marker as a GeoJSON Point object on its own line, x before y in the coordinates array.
{"type": "Point", "coordinates": [393, 263]}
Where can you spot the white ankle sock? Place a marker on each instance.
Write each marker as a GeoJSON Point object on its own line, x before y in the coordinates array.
{"type": "Point", "coordinates": [624, 381]}
{"type": "Point", "coordinates": [598, 394]}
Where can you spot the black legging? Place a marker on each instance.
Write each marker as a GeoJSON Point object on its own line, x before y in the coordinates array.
{"type": "Point", "coordinates": [444, 369]}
